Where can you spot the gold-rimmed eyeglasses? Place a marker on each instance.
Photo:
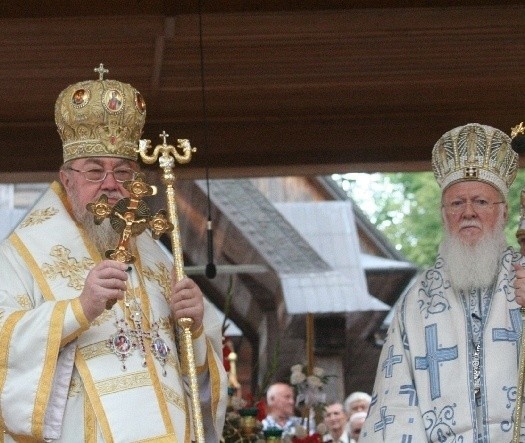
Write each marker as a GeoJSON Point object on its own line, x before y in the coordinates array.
{"type": "Point", "coordinates": [98, 175]}
{"type": "Point", "coordinates": [479, 205]}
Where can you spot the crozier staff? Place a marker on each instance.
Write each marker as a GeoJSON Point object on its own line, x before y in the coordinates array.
{"type": "Point", "coordinates": [449, 367]}
{"type": "Point", "coordinates": [72, 371]}
{"type": "Point", "coordinates": [166, 155]}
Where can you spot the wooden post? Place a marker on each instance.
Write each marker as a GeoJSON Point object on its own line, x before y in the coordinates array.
{"type": "Point", "coordinates": [310, 338]}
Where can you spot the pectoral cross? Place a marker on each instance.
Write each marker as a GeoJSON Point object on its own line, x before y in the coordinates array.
{"type": "Point", "coordinates": [127, 339]}
{"type": "Point", "coordinates": [138, 332]}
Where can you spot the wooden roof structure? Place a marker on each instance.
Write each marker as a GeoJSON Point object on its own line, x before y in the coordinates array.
{"type": "Point", "coordinates": [291, 87]}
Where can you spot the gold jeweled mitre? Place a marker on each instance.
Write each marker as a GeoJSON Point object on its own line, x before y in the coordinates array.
{"type": "Point", "coordinates": [100, 118]}
{"type": "Point", "coordinates": [475, 152]}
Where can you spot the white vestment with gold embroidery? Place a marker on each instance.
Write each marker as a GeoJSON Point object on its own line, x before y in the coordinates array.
{"type": "Point", "coordinates": [59, 380]}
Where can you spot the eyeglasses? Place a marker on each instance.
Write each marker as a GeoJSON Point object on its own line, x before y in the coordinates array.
{"type": "Point", "coordinates": [479, 205]}
{"type": "Point", "coordinates": [98, 175]}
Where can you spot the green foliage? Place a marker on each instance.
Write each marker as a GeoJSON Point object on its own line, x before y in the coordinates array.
{"type": "Point", "coordinates": [417, 232]}
{"type": "Point", "coordinates": [514, 208]}
{"type": "Point", "coordinates": [407, 209]}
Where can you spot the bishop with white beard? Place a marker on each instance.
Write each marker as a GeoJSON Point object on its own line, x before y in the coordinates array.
{"type": "Point", "coordinates": [448, 370]}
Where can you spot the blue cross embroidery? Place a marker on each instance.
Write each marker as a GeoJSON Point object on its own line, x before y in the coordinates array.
{"type": "Point", "coordinates": [406, 438]}
{"type": "Point", "coordinates": [390, 361]}
{"type": "Point", "coordinates": [502, 334]}
{"type": "Point", "coordinates": [385, 420]}
{"type": "Point", "coordinates": [404, 338]}
{"type": "Point", "coordinates": [435, 355]}
{"type": "Point", "coordinates": [373, 401]}
{"type": "Point", "coordinates": [411, 392]}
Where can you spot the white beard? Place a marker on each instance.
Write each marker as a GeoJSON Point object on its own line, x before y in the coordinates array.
{"type": "Point", "coordinates": [473, 266]}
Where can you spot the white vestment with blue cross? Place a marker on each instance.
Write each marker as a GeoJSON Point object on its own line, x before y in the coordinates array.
{"type": "Point", "coordinates": [424, 384]}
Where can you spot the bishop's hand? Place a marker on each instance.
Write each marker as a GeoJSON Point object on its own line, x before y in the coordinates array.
{"type": "Point", "coordinates": [106, 281]}
{"type": "Point", "coordinates": [187, 302]}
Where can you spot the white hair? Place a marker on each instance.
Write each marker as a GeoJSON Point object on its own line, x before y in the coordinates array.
{"type": "Point", "coordinates": [272, 390]}
{"type": "Point", "coordinates": [358, 395]}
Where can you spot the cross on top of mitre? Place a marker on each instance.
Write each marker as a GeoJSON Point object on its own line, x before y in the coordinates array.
{"type": "Point", "coordinates": [101, 71]}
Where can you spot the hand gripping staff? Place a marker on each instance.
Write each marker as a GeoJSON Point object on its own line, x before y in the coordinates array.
{"type": "Point", "coordinates": [166, 155]}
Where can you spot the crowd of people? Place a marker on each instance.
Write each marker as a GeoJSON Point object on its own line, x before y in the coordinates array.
{"type": "Point", "coordinates": [342, 420]}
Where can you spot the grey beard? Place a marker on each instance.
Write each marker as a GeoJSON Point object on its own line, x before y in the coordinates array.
{"type": "Point", "coordinates": [103, 236]}
{"type": "Point", "coordinates": [472, 266]}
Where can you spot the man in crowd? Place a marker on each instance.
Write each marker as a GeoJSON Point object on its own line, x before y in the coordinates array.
{"type": "Point", "coordinates": [449, 367]}
{"type": "Point", "coordinates": [357, 401]}
{"type": "Point", "coordinates": [335, 420]}
{"type": "Point", "coordinates": [88, 347]}
{"type": "Point", "coordinates": [280, 400]}
{"type": "Point", "coordinates": [356, 424]}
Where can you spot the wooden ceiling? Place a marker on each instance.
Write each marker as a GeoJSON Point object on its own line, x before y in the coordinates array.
{"type": "Point", "coordinates": [291, 87]}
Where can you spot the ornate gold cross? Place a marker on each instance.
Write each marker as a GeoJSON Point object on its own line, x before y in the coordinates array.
{"type": "Point", "coordinates": [130, 217]}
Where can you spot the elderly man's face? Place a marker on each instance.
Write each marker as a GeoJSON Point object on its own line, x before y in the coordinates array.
{"type": "Point", "coordinates": [358, 406]}
{"type": "Point", "coordinates": [83, 191]}
{"type": "Point", "coordinates": [335, 418]}
{"type": "Point", "coordinates": [283, 401]}
{"type": "Point", "coordinates": [355, 426]}
{"type": "Point", "coordinates": [472, 209]}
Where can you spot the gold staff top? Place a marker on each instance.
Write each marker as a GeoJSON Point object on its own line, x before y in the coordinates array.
{"type": "Point", "coordinates": [167, 155]}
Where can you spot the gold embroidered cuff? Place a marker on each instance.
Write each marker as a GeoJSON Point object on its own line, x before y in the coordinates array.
{"type": "Point", "coordinates": [79, 314]}
{"type": "Point", "coordinates": [197, 333]}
